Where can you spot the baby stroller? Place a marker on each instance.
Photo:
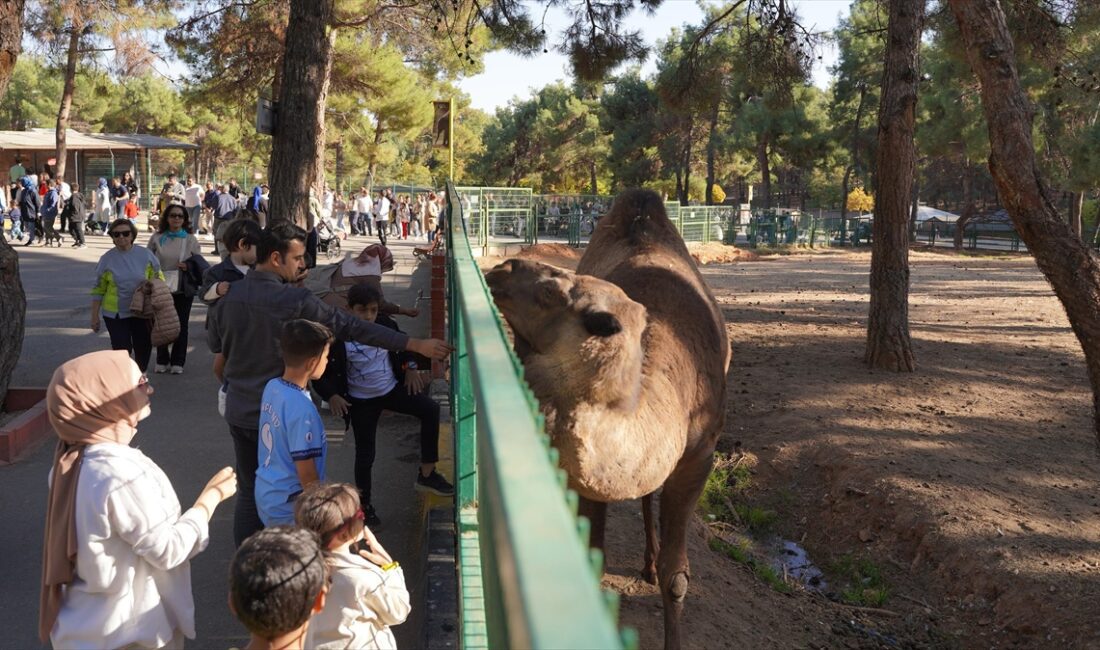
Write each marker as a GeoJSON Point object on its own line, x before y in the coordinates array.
{"type": "Point", "coordinates": [328, 241]}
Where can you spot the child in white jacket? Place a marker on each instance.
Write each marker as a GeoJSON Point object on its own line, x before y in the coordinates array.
{"type": "Point", "coordinates": [367, 593]}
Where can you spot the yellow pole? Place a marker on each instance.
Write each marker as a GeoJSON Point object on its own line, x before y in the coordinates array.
{"type": "Point", "coordinates": [451, 138]}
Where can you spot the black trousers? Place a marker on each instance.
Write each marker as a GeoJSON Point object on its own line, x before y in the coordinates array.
{"type": "Point", "coordinates": [76, 229]}
{"type": "Point", "coordinates": [178, 355]}
{"type": "Point", "coordinates": [364, 415]}
{"type": "Point", "coordinates": [381, 226]}
{"type": "Point", "coordinates": [132, 335]}
{"type": "Point", "coordinates": [311, 249]}
{"type": "Point", "coordinates": [246, 518]}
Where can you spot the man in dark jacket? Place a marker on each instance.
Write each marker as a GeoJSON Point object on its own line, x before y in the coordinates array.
{"type": "Point", "coordinates": [224, 212]}
{"type": "Point", "coordinates": [75, 212]}
{"type": "Point", "coordinates": [242, 333]}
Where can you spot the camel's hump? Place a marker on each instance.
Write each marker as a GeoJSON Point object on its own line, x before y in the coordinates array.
{"type": "Point", "coordinates": [637, 217]}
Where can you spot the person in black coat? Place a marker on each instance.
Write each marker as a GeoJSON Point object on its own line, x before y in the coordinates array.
{"type": "Point", "coordinates": [362, 381]}
{"type": "Point", "coordinates": [75, 212]}
{"type": "Point", "coordinates": [29, 207]}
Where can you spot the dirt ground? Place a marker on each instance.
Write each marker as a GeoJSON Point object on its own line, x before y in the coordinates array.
{"type": "Point", "coordinates": [972, 483]}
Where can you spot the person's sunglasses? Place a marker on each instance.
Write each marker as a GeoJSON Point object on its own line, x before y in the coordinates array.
{"type": "Point", "coordinates": [120, 233]}
{"type": "Point", "coordinates": [176, 215]}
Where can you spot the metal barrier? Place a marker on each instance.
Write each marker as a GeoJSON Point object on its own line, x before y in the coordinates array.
{"type": "Point", "coordinates": [503, 216]}
{"type": "Point", "coordinates": [526, 576]}
{"type": "Point", "coordinates": [500, 214]}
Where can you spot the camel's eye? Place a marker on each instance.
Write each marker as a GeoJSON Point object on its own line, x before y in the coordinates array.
{"type": "Point", "coordinates": [601, 323]}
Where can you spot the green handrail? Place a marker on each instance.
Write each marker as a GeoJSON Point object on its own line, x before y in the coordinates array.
{"type": "Point", "coordinates": [526, 576]}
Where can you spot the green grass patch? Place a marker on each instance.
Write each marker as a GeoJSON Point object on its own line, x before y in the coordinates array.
{"type": "Point", "coordinates": [724, 482]}
{"type": "Point", "coordinates": [860, 581]}
{"type": "Point", "coordinates": [741, 553]}
{"type": "Point", "coordinates": [756, 519]}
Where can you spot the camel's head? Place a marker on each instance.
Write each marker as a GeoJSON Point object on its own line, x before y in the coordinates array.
{"type": "Point", "coordinates": [578, 324]}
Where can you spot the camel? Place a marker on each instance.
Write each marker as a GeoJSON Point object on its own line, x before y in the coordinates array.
{"type": "Point", "coordinates": [628, 358]}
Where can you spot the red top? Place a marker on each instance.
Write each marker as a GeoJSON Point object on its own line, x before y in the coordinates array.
{"type": "Point", "coordinates": [131, 210]}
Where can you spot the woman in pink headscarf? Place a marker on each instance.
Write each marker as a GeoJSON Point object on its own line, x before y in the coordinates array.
{"type": "Point", "coordinates": [116, 558]}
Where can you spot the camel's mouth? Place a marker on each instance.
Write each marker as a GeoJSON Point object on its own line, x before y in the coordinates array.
{"type": "Point", "coordinates": [523, 346]}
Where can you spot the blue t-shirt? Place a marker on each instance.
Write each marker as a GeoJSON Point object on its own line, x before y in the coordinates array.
{"type": "Point", "coordinates": [290, 430]}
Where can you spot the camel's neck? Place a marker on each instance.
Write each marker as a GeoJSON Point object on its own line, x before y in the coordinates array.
{"type": "Point", "coordinates": [618, 431]}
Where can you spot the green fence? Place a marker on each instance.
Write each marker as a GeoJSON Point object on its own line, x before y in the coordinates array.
{"type": "Point", "coordinates": [526, 576]}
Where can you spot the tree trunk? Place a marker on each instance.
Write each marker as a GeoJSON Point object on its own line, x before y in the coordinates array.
{"type": "Point", "coordinates": [854, 164]}
{"type": "Point", "coordinates": [913, 206]}
{"type": "Point", "coordinates": [888, 344]}
{"type": "Point", "coordinates": [321, 126]}
{"type": "Point", "coordinates": [306, 61]}
{"type": "Point", "coordinates": [686, 195]}
{"type": "Point", "coordinates": [340, 167]}
{"type": "Point", "coordinates": [13, 302]}
{"type": "Point", "coordinates": [592, 177]}
{"type": "Point", "coordinates": [1069, 266]}
{"type": "Point", "coordinates": [968, 213]}
{"type": "Point", "coordinates": [76, 27]}
{"type": "Point", "coordinates": [372, 159]}
{"type": "Point", "coordinates": [1077, 207]}
{"type": "Point", "coordinates": [765, 169]}
{"type": "Point", "coordinates": [712, 145]}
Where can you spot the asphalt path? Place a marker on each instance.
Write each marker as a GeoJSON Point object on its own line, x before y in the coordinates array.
{"type": "Point", "coordinates": [190, 441]}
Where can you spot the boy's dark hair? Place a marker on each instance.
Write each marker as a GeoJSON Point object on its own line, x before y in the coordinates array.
{"type": "Point", "coordinates": [239, 229]}
{"type": "Point", "coordinates": [302, 340]}
{"type": "Point", "coordinates": [275, 578]}
{"type": "Point", "coordinates": [276, 239]}
{"type": "Point", "coordinates": [364, 294]}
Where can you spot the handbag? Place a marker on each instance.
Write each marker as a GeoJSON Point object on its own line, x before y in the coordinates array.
{"type": "Point", "coordinates": [172, 277]}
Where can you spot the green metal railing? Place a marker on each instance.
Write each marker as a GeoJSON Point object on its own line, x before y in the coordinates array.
{"type": "Point", "coordinates": [527, 578]}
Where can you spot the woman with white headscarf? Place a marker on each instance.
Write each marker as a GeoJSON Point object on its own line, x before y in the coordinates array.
{"type": "Point", "coordinates": [116, 557]}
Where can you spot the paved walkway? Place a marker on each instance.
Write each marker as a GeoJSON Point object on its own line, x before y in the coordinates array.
{"type": "Point", "coordinates": [189, 440]}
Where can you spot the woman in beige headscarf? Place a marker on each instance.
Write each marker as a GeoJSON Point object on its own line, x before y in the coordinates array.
{"type": "Point", "coordinates": [115, 566]}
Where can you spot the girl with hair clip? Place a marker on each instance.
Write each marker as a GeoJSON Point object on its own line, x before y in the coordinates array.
{"type": "Point", "coordinates": [367, 593]}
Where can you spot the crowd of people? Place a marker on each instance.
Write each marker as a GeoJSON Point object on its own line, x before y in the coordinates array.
{"type": "Point", "coordinates": [309, 571]}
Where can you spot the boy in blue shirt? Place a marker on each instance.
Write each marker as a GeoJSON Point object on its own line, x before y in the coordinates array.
{"type": "Point", "coordinates": [292, 445]}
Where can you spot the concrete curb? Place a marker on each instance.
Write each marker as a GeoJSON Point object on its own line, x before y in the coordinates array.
{"type": "Point", "coordinates": [23, 433]}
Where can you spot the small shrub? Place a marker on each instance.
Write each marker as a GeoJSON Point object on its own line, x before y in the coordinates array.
{"type": "Point", "coordinates": [741, 553]}
{"type": "Point", "coordinates": [861, 580]}
{"type": "Point", "coordinates": [757, 519]}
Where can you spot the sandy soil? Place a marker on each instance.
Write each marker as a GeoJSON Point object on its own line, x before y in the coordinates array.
{"type": "Point", "coordinates": [972, 483]}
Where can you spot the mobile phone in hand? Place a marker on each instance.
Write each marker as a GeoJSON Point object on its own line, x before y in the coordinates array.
{"type": "Point", "coordinates": [359, 545]}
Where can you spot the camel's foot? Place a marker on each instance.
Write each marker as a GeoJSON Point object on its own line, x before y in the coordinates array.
{"type": "Point", "coordinates": [649, 574]}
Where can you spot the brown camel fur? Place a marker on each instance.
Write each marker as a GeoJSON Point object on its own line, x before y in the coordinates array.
{"type": "Point", "coordinates": [628, 358]}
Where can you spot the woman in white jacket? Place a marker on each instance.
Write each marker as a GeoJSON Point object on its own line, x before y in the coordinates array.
{"type": "Point", "coordinates": [115, 570]}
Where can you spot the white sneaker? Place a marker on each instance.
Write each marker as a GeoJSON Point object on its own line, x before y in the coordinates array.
{"type": "Point", "coordinates": [177, 370]}
{"type": "Point", "coordinates": [160, 369]}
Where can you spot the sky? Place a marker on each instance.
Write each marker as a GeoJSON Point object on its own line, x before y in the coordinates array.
{"type": "Point", "coordinates": [508, 75]}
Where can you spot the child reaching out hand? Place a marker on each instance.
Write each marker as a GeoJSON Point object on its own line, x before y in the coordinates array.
{"type": "Point", "coordinates": [367, 593]}
{"type": "Point", "coordinates": [362, 381]}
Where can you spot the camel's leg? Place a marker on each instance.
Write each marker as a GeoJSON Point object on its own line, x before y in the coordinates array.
{"type": "Point", "coordinates": [649, 570]}
{"type": "Point", "coordinates": [678, 500]}
{"type": "Point", "coordinates": [596, 511]}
